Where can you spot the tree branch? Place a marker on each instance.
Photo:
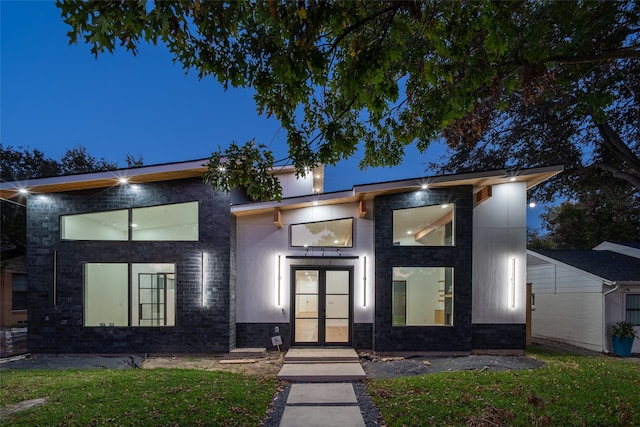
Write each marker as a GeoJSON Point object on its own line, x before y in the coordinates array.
{"type": "Point", "coordinates": [616, 172]}
{"type": "Point", "coordinates": [359, 24]}
{"type": "Point", "coordinates": [630, 52]}
{"type": "Point", "coordinates": [613, 141]}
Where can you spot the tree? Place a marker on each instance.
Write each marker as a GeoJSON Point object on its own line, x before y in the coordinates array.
{"type": "Point", "coordinates": [385, 74]}
{"type": "Point", "coordinates": [23, 163]}
{"type": "Point", "coordinates": [611, 213]}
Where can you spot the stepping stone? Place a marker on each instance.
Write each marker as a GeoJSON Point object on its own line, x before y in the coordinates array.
{"type": "Point", "coordinates": [322, 416]}
{"type": "Point", "coordinates": [321, 394]}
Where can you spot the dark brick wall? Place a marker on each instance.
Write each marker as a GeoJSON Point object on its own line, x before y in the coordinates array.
{"type": "Point", "coordinates": [499, 336]}
{"type": "Point", "coordinates": [57, 326]}
{"type": "Point", "coordinates": [363, 336]}
{"type": "Point", "coordinates": [416, 338]}
{"type": "Point", "coordinates": [252, 335]}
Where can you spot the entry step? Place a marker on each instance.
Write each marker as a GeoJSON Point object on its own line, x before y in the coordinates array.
{"type": "Point", "coordinates": [321, 355]}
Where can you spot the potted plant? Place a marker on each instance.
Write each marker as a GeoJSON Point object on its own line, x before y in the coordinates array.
{"type": "Point", "coordinates": [623, 335]}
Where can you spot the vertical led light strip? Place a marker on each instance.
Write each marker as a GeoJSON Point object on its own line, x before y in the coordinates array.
{"type": "Point", "coordinates": [55, 278]}
{"type": "Point", "coordinates": [203, 277]}
{"type": "Point", "coordinates": [364, 283]}
{"type": "Point", "coordinates": [279, 282]}
{"type": "Point", "coordinates": [513, 283]}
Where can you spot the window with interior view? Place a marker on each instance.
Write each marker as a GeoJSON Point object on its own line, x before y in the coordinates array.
{"type": "Point", "coordinates": [337, 233]}
{"type": "Point", "coordinates": [111, 225]}
{"type": "Point", "coordinates": [122, 294]}
{"type": "Point", "coordinates": [177, 222]}
{"type": "Point", "coordinates": [633, 309]}
{"type": "Point", "coordinates": [165, 222]}
{"type": "Point", "coordinates": [422, 296]}
{"type": "Point", "coordinates": [424, 226]}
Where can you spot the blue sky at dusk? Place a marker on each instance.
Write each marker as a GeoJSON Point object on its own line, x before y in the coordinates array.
{"type": "Point", "coordinates": [56, 96]}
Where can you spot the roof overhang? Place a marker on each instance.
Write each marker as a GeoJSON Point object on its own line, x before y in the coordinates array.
{"type": "Point", "coordinates": [87, 181]}
{"type": "Point", "coordinates": [478, 180]}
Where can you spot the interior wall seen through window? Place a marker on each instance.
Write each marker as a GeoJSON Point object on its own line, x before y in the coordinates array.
{"type": "Point", "coordinates": [111, 296]}
{"type": "Point", "coordinates": [424, 226]}
{"type": "Point", "coordinates": [111, 225]}
{"type": "Point", "coordinates": [176, 222]}
{"type": "Point", "coordinates": [422, 296]}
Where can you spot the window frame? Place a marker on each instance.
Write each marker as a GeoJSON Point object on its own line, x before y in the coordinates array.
{"type": "Point", "coordinates": [131, 288]}
{"type": "Point", "coordinates": [130, 224]}
{"type": "Point", "coordinates": [333, 246]}
{"type": "Point", "coordinates": [448, 284]}
{"type": "Point", "coordinates": [24, 292]}
{"type": "Point", "coordinates": [635, 310]}
{"type": "Point", "coordinates": [398, 238]}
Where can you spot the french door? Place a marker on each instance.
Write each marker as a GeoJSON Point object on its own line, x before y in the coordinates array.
{"type": "Point", "coordinates": [322, 305]}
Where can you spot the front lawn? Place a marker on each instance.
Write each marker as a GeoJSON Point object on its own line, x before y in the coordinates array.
{"type": "Point", "coordinates": [568, 391]}
{"type": "Point", "coordinates": [140, 397]}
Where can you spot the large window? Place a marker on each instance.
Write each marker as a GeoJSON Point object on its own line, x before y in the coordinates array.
{"type": "Point", "coordinates": [336, 233]}
{"type": "Point", "coordinates": [112, 225]}
{"type": "Point", "coordinates": [424, 226]}
{"type": "Point", "coordinates": [19, 292]}
{"type": "Point", "coordinates": [422, 296]}
{"type": "Point", "coordinates": [633, 309]}
{"type": "Point", "coordinates": [121, 294]}
{"type": "Point", "coordinates": [167, 222]}
{"type": "Point", "coordinates": [156, 223]}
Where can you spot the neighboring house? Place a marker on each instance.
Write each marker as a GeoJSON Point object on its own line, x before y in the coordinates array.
{"type": "Point", "coordinates": [580, 295]}
{"type": "Point", "coordinates": [161, 263]}
{"type": "Point", "coordinates": [13, 292]}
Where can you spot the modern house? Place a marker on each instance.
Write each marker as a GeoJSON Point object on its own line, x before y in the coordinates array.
{"type": "Point", "coordinates": [580, 295]}
{"type": "Point", "coordinates": [152, 260]}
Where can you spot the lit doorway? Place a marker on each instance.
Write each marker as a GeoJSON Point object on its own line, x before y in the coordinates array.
{"type": "Point", "coordinates": [322, 305]}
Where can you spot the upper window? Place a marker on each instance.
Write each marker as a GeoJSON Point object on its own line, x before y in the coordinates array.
{"type": "Point", "coordinates": [166, 222]}
{"type": "Point", "coordinates": [112, 225]}
{"type": "Point", "coordinates": [19, 292]}
{"type": "Point", "coordinates": [336, 233]}
{"type": "Point", "coordinates": [422, 296]}
{"type": "Point", "coordinates": [424, 226]}
{"type": "Point", "coordinates": [156, 223]}
{"type": "Point", "coordinates": [633, 309]}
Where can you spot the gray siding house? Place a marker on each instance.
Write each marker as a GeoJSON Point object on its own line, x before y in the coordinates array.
{"type": "Point", "coordinates": [580, 295]}
{"type": "Point", "coordinates": [152, 260]}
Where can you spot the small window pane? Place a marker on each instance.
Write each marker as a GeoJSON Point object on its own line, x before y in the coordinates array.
{"type": "Point", "coordinates": [153, 294]}
{"type": "Point", "coordinates": [19, 295]}
{"type": "Point", "coordinates": [106, 294]}
{"type": "Point", "coordinates": [324, 234]}
{"type": "Point", "coordinates": [422, 296]}
{"type": "Point", "coordinates": [633, 309]}
{"type": "Point", "coordinates": [112, 225]}
{"type": "Point", "coordinates": [424, 226]}
{"type": "Point", "coordinates": [166, 222]}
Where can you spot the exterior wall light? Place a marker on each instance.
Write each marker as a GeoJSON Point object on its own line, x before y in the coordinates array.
{"type": "Point", "coordinates": [513, 283]}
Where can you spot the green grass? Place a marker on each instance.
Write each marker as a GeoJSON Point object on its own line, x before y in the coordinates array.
{"type": "Point", "coordinates": [568, 391]}
{"type": "Point", "coordinates": [140, 397]}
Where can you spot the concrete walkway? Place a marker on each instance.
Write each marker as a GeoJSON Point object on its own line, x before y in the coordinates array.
{"type": "Point", "coordinates": [326, 398]}
{"type": "Point", "coordinates": [322, 405]}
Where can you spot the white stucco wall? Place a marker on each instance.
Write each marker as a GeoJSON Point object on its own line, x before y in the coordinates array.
{"type": "Point", "coordinates": [499, 237]}
{"type": "Point", "coordinates": [259, 242]}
